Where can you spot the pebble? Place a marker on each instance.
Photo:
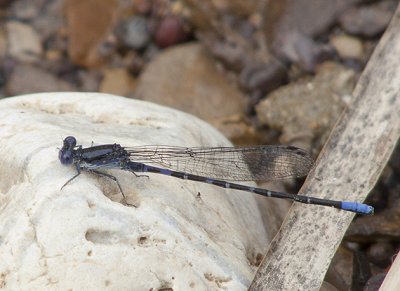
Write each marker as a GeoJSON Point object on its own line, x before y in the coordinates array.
{"type": "Point", "coordinates": [186, 78]}
{"type": "Point", "coordinates": [134, 32]}
{"type": "Point", "coordinates": [89, 22]}
{"type": "Point", "coordinates": [381, 254]}
{"type": "Point", "coordinates": [292, 27]}
{"type": "Point", "coordinates": [264, 77]}
{"type": "Point", "coordinates": [26, 9]}
{"type": "Point", "coordinates": [26, 79]}
{"type": "Point", "coordinates": [348, 47]}
{"type": "Point", "coordinates": [170, 31]}
{"type": "Point", "coordinates": [307, 109]}
{"type": "Point", "coordinates": [23, 42]}
{"type": "Point", "coordinates": [368, 20]}
{"type": "Point", "coordinates": [117, 81]}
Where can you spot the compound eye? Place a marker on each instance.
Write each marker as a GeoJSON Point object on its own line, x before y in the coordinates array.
{"type": "Point", "coordinates": [70, 142]}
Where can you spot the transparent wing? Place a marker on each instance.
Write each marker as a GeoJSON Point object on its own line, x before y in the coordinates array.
{"type": "Point", "coordinates": [228, 163]}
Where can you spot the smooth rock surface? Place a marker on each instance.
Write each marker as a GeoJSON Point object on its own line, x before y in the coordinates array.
{"type": "Point", "coordinates": [82, 237]}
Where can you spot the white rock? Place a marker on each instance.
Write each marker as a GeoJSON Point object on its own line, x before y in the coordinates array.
{"type": "Point", "coordinates": [80, 239]}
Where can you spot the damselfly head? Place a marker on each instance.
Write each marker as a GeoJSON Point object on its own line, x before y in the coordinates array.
{"type": "Point", "coordinates": [69, 142]}
{"type": "Point", "coordinates": [65, 155]}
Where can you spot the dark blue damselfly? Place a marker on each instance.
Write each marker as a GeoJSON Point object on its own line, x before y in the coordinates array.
{"type": "Point", "coordinates": [212, 165]}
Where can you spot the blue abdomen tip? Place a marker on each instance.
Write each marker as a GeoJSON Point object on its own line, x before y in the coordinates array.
{"type": "Point", "coordinates": [358, 208]}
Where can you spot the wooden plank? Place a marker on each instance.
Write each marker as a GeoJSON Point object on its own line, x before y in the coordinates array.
{"type": "Point", "coordinates": [347, 169]}
{"type": "Point", "coordinates": [392, 279]}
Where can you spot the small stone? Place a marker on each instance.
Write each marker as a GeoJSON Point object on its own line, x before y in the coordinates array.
{"type": "Point", "coordinates": [369, 20]}
{"type": "Point", "coordinates": [134, 32]}
{"type": "Point", "coordinates": [263, 77]}
{"type": "Point", "coordinates": [89, 80]}
{"type": "Point", "coordinates": [51, 19]}
{"type": "Point", "coordinates": [305, 110]}
{"type": "Point", "coordinates": [26, 79]}
{"type": "Point", "coordinates": [170, 31]}
{"type": "Point", "coordinates": [186, 78]}
{"type": "Point", "coordinates": [88, 23]}
{"type": "Point", "coordinates": [24, 43]}
{"type": "Point", "coordinates": [291, 28]}
{"type": "Point", "coordinates": [117, 81]}
{"type": "Point", "coordinates": [46, 17]}
{"type": "Point", "coordinates": [301, 49]}
{"type": "Point", "coordinates": [348, 47]}
{"type": "Point", "coordinates": [25, 9]}
{"type": "Point", "coordinates": [381, 254]}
